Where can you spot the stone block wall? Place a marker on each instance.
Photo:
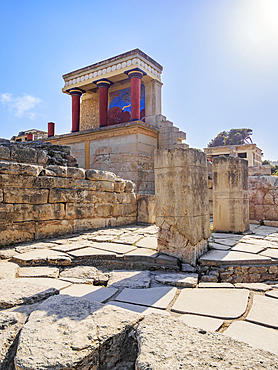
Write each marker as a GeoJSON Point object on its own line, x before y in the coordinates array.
{"type": "Point", "coordinates": [263, 198]}
{"type": "Point", "coordinates": [37, 202]}
{"type": "Point", "coordinates": [89, 112]}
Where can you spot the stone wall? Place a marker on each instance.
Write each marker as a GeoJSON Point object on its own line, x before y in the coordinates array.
{"type": "Point", "coordinates": [263, 198]}
{"type": "Point", "coordinates": [37, 202]}
{"type": "Point", "coordinates": [36, 152]}
{"type": "Point", "coordinates": [89, 112]}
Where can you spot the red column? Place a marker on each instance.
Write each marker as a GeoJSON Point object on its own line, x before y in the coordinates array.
{"type": "Point", "coordinates": [135, 76]}
{"type": "Point", "coordinates": [51, 129]}
{"type": "Point", "coordinates": [30, 137]}
{"type": "Point", "coordinates": [75, 96]}
{"type": "Point", "coordinates": [103, 86]}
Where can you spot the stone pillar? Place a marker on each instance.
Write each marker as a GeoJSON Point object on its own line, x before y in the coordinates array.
{"type": "Point", "coordinates": [135, 76]}
{"type": "Point", "coordinates": [182, 203]}
{"type": "Point", "coordinates": [75, 96]}
{"type": "Point", "coordinates": [51, 129]}
{"type": "Point", "coordinates": [230, 194]}
{"type": "Point", "coordinates": [103, 86]}
{"type": "Point", "coordinates": [30, 137]}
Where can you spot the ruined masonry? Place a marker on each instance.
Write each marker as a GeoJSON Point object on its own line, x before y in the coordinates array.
{"type": "Point", "coordinates": [182, 213]}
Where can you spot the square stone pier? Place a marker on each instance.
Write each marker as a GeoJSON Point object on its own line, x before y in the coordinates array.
{"type": "Point", "coordinates": [182, 203]}
{"type": "Point", "coordinates": [230, 194]}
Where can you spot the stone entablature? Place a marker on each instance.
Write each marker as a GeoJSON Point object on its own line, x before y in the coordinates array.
{"type": "Point", "coordinates": [37, 202]}
{"type": "Point", "coordinates": [113, 68]}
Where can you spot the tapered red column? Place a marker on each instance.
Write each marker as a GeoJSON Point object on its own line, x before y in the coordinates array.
{"type": "Point", "coordinates": [30, 137]}
{"type": "Point", "coordinates": [75, 96]}
{"type": "Point", "coordinates": [103, 86]}
{"type": "Point", "coordinates": [135, 76]}
{"type": "Point", "coordinates": [51, 129]}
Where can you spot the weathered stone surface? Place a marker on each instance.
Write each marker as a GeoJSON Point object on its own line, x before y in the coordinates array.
{"type": "Point", "coordinates": [31, 196]}
{"type": "Point", "coordinates": [76, 173]}
{"type": "Point", "coordinates": [219, 303]}
{"type": "Point", "coordinates": [249, 248]}
{"type": "Point", "coordinates": [87, 274]}
{"type": "Point", "coordinates": [5, 153]}
{"type": "Point", "coordinates": [38, 212]}
{"type": "Point", "coordinates": [186, 267]}
{"type": "Point", "coordinates": [165, 343]}
{"type": "Point", "coordinates": [92, 253]}
{"type": "Point", "coordinates": [26, 155]}
{"type": "Point", "coordinates": [60, 171]}
{"type": "Point", "coordinates": [7, 253]}
{"type": "Point", "coordinates": [84, 335]}
{"type": "Point", "coordinates": [273, 293]}
{"type": "Point", "coordinates": [146, 208]}
{"type": "Point", "coordinates": [127, 238]}
{"type": "Point", "coordinates": [14, 292]}
{"type": "Point", "coordinates": [42, 256]}
{"type": "Point", "coordinates": [46, 271]}
{"type": "Point", "coordinates": [90, 292]}
{"type": "Point", "coordinates": [159, 297]}
{"type": "Point", "coordinates": [264, 311]}
{"type": "Point", "coordinates": [98, 175]}
{"type": "Point", "coordinates": [259, 287]}
{"type": "Point", "coordinates": [53, 227]}
{"type": "Point", "coordinates": [201, 322]}
{"type": "Point", "coordinates": [46, 282]}
{"type": "Point", "coordinates": [129, 279]}
{"type": "Point", "coordinates": [273, 253]}
{"type": "Point", "coordinates": [17, 232]}
{"type": "Point", "coordinates": [140, 309]}
{"type": "Point", "coordinates": [232, 256]}
{"type": "Point", "coordinates": [129, 186]}
{"type": "Point", "coordinates": [179, 280]}
{"type": "Point", "coordinates": [257, 336]}
{"type": "Point", "coordinates": [8, 270]}
{"type": "Point", "coordinates": [147, 242]}
{"type": "Point", "coordinates": [215, 285]}
{"type": "Point", "coordinates": [19, 169]}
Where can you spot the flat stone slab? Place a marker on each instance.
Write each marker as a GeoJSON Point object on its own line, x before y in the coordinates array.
{"type": "Point", "coordinates": [264, 311]}
{"type": "Point", "coordinates": [272, 293]}
{"type": "Point", "coordinates": [127, 239]}
{"type": "Point", "coordinates": [259, 287]}
{"type": "Point", "coordinates": [248, 248]}
{"type": "Point", "coordinates": [215, 285]}
{"type": "Point", "coordinates": [168, 344]}
{"type": "Point", "coordinates": [221, 247]}
{"type": "Point", "coordinates": [232, 257]}
{"type": "Point", "coordinates": [90, 292]}
{"type": "Point", "coordinates": [202, 322]}
{"type": "Point", "coordinates": [257, 336]}
{"type": "Point", "coordinates": [273, 253]}
{"type": "Point", "coordinates": [71, 246]}
{"type": "Point", "coordinates": [219, 303]}
{"type": "Point", "coordinates": [6, 253]}
{"type": "Point", "coordinates": [159, 297]}
{"type": "Point", "coordinates": [141, 254]}
{"type": "Point", "coordinates": [47, 282]}
{"type": "Point", "coordinates": [129, 279]}
{"type": "Point", "coordinates": [29, 247]}
{"type": "Point", "coordinates": [92, 253]}
{"type": "Point", "coordinates": [84, 274]}
{"type": "Point", "coordinates": [41, 256]}
{"type": "Point", "coordinates": [148, 242]}
{"type": "Point", "coordinates": [114, 247]}
{"type": "Point", "coordinates": [178, 279]}
{"type": "Point", "coordinates": [38, 271]}
{"type": "Point", "coordinates": [15, 292]}
{"type": "Point", "coordinates": [73, 333]}
{"type": "Point", "coordinates": [140, 309]}
{"type": "Point", "coordinates": [8, 270]}
{"type": "Point", "coordinates": [227, 241]}
{"type": "Point", "coordinates": [225, 236]}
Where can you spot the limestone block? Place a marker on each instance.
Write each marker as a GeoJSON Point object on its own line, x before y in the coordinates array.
{"type": "Point", "coordinates": [42, 156]}
{"type": "Point", "coordinates": [119, 185]}
{"type": "Point", "coordinates": [5, 153]}
{"type": "Point", "coordinates": [1, 195]}
{"type": "Point", "coordinates": [146, 209]}
{"type": "Point", "coordinates": [264, 169]}
{"type": "Point", "coordinates": [60, 171]}
{"type": "Point", "coordinates": [71, 195]}
{"type": "Point", "coordinates": [75, 173]}
{"type": "Point", "coordinates": [129, 186]}
{"type": "Point", "coordinates": [80, 210]}
{"type": "Point", "coordinates": [90, 223]}
{"type": "Point", "coordinates": [124, 209]}
{"type": "Point", "coordinates": [103, 210]}
{"type": "Point", "coordinates": [230, 194]}
{"type": "Point", "coordinates": [20, 169]}
{"type": "Point", "coordinates": [17, 232]}
{"type": "Point", "coordinates": [7, 213]}
{"type": "Point", "coordinates": [100, 175]}
{"type": "Point", "coordinates": [31, 196]}
{"type": "Point", "coordinates": [126, 198]}
{"type": "Point", "coordinates": [106, 186]}
{"type": "Point", "coordinates": [55, 227]}
{"type": "Point", "coordinates": [38, 212]}
{"type": "Point", "coordinates": [25, 155]}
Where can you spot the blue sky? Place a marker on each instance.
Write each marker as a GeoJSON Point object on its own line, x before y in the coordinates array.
{"type": "Point", "coordinates": [220, 60]}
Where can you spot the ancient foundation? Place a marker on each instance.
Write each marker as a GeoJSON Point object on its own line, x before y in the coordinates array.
{"type": "Point", "coordinates": [230, 194]}
{"type": "Point", "coordinates": [182, 203]}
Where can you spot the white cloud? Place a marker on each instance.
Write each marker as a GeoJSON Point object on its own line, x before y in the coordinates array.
{"type": "Point", "coordinates": [20, 105]}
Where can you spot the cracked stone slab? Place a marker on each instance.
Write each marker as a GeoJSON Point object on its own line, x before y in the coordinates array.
{"type": "Point", "coordinates": [47, 282]}
{"type": "Point", "coordinates": [127, 239]}
{"type": "Point", "coordinates": [227, 242]}
{"type": "Point", "coordinates": [219, 303]}
{"type": "Point", "coordinates": [71, 246]}
{"type": "Point", "coordinates": [7, 253]}
{"type": "Point", "coordinates": [232, 256]}
{"type": "Point", "coordinates": [272, 293]}
{"type": "Point", "coordinates": [92, 253]}
{"type": "Point", "coordinates": [215, 285]}
{"type": "Point", "coordinates": [225, 236]}
{"type": "Point", "coordinates": [221, 247]}
{"type": "Point", "coordinates": [165, 343]}
{"type": "Point", "coordinates": [114, 247]}
{"type": "Point", "coordinates": [148, 242]}
{"type": "Point", "coordinates": [140, 309]}
{"type": "Point", "coordinates": [141, 254]}
{"type": "Point", "coordinates": [257, 336]}
{"type": "Point", "coordinates": [8, 270]}
{"type": "Point", "coordinates": [84, 274]}
{"type": "Point", "coordinates": [264, 311]}
{"type": "Point", "coordinates": [38, 271]}
{"type": "Point", "coordinates": [178, 279]}
{"type": "Point", "coordinates": [259, 287]}
{"type": "Point", "coordinates": [15, 292]}
{"type": "Point", "coordinates": [248, 248]}
{"type": "Point", "coordinates": [129, 279]}
{"type": "Point", "coordinates": [159, 297]}
{"type": "Point", "coordinates": [83, 335]}
{"type": "Point", "coordinates": [90, 292]}
{"type": "Point", "coordinates": [201, 322]}
{"type": "Point", "coordinates": [42, 256]}
{"type": "Point", "coordinates": [273, 253]}
{"type": "Point", "coordinates": [33, 246]}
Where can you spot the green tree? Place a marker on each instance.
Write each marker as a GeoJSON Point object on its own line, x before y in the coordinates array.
{"type": "Point", "coordinates": [236, 136]}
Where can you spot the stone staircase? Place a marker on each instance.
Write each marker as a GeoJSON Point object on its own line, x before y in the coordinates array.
{"type": "Point", "coordinates": [170, 136]}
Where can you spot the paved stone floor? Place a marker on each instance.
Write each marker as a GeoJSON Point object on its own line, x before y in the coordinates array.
{"type": "Point", "coordinates": [87, 265]}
